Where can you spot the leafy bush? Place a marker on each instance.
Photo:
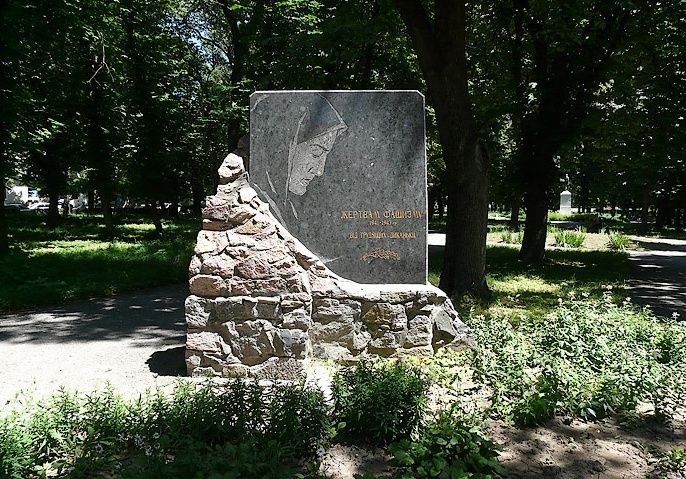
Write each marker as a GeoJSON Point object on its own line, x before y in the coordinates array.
{"type": "Point", "coordinates": [512, 238]}
{"type": "Point", "coordinates": [14, 449]}
{"type": "Point", "coordinates": [447, 447]}
{"type": "Point", "coordinates": [194, 432]}
{"type": "Point", "coordinates": [617, 241]}
{"type": "Point", "coordinates": [673, 461]}
{"type": "Point", "coordinates": [570, 238]}
{"type": "Point", "coordinates": [379, 403]}
{"type": "Point", "coordinates": [587, 358]}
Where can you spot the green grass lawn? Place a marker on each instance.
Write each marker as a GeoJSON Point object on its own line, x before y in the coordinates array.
{"type": "Point", "coordinates": [520, 289]}
{"type": "Point", "coordinates": [74, 261]}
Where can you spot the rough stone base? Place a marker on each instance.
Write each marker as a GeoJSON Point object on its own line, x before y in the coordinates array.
{"type": "Point", "coordinates": [261, 303]}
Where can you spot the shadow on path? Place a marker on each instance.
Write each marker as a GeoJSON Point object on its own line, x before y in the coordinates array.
{"type": "Point", "coordinates": [132, 341]}
{"type": "Point", "coordinates": [168, 362]}
{"type": "Point", "coordinates": [659, 275]}
{"type": "Point", "coordinates": [151, 314]}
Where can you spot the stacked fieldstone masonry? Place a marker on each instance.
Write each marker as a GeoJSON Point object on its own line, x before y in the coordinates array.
{"type": "Point", "coordinates": [261, 303]}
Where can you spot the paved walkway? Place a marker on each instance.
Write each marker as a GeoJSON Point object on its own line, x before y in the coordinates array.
{"type": "Point", "coordinates": [134, 341]}
{"type": "Point", "coordinates": [659, 275]}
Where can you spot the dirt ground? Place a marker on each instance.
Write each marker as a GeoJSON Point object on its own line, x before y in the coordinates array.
{"type": "Point", "coordinates": [560, 449]}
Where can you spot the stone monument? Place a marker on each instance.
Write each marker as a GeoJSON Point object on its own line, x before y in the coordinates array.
{"type": "Point", "coordinates": [320, 251]}
{"type": "Point", "coordinates": [566, 202]}
{"type": "Point", "coordinates": [345, 173]}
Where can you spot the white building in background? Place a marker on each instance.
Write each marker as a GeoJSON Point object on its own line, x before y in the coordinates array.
{"type": "Point", "coordinates": [21, 195]}
{"type": "Point", "coordinates": [17, 194]}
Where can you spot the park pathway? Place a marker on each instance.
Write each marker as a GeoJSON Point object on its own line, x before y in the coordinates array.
{"type": "Point", "coordinates": [133, 341]}
{"type": "Point", "coordinates": [659, 275]}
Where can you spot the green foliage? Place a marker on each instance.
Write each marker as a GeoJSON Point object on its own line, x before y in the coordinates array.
{"type": "Point", "coordinates": [15, 456]}
{"type": "Point", "coordinates": [379, 403]}
{"type": "Point", "coordinates": [617, 241]}
{"type": "Point", "coordinates": [237, 430]}
{"type": "Point", "coordinates": [449, 446]}
{"type": "Point", "coordinates": [510, 237]}
{"type": "Point", "coordinates": [570, 238]}
{"type": "Point", "coordinates": [673, 461]}
{"type": "Point", "coordinates": [586, 358]}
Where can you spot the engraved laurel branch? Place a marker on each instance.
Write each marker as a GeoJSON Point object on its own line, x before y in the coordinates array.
{"type": "Point", "coordinates": [381, 254]}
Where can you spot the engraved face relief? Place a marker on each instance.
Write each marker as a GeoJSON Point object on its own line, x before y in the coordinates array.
{"type": "Point", "coordinates": [309, 160]}
{"type": "Point", "coordinates": [314, 138]}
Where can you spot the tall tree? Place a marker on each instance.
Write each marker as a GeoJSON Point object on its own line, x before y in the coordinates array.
{"type": "Point", "coordinates": [441, 49]}
{"type": "Point", "coordinates": [571, 46]}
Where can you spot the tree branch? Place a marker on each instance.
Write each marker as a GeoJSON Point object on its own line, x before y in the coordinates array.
{"type": "Point", "coordinates": [419, 27]}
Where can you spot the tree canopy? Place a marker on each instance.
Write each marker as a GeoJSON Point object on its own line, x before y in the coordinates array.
{"type": "Point", "coordinates": [139, 101]}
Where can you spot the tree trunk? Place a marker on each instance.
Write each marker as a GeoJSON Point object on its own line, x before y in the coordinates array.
{"type": "Point", "coordinates": [538, 169]}
{"type": "Point", "coordinates": [198, 196]}
{"type": "Point", "coordinates": [431, 202]}
{"type": "Point", "coordinates": [91, 201]}
{"type": "Point", "coordinates": [644, 210]}
{"type": "Point", "coordinates": [514, 213]}
{"type": "Point", "coordinates": [65, 206]}
{"type": "Point", "coordinates": [535, 227]}
{"type": "Point", "coordinates": [661, 213]}
{"type": "Point", "coordinates": [441, 51]}
{"type": "Point", "coordinates": [106, 205]}
{"type": "Point", "coordinates": [53, 219]}
{"type": "Point", "coordinates": [156, 218]}
{"type": "Point", "coordinates": [4, 240]}
{"type": "Point", "coordinates": [464, 263]}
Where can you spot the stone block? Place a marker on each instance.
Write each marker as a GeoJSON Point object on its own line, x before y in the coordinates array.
{"type": "Point", "coordinates": [237, 308]}
{"type": "Point", "coordinates": [297, 319]}
{"type": "Point", "coordinates": [381, 317]}
{"type": "Point", "coordinates": [208, 286]}
{"type": "Point", "coordinates": [291, 343]}
{"type": "Point", "coordinates": [419, 332]}
{"type": "Point", "coordinates": [230, 169]}
{"type": "Point", "coordinates": [198, 311]}
{"type": "Point", "coordinates": [204, 341]}
{"type": "Point", "coordinates": [340, 310]}
{"type": "Point", "coordinates": [268, 307]}
{"type": "Point", "coordinates": [213, 242]}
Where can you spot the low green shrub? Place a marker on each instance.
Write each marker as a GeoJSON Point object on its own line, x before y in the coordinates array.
{"type": "Point", "coordinates": [569, 238]}
{"type": "Point", "coordinates": [510, 237]}
{"type": "Point", "coordinates": [449, 446]}
{"type": "Point", "coordinates": [197, 431]}
{"type": "Point", "coordinates": [15, 456]}
{"type": "Point", "coordinates": [617, 241]}
{"type": "Point", "coordinates": [588, 358]}
{"type": "Point", "coordinates": [379, 403]}
{"type": "Point", "coordinates": [674, 461]}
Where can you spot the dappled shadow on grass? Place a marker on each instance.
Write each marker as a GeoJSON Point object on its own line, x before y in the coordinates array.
{"type": "Point", "coordinates": [79, 270]}
{"type": "Point", "coordinates": [29, 230]}
{"type": "Point", "coordinates": [561, 265]}
{"type": "Point", "coordinates": [536, 288]}
{"type": "Point", "coordinates": [155, 314]}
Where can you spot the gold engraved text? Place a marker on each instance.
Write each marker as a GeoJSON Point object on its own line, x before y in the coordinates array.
{"type": "Point", "coordinates": [376, 235]}
{"type": "Point", "coordinates": [380, 254]}
{"type": "Point", "coordinates": [378, 214]}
